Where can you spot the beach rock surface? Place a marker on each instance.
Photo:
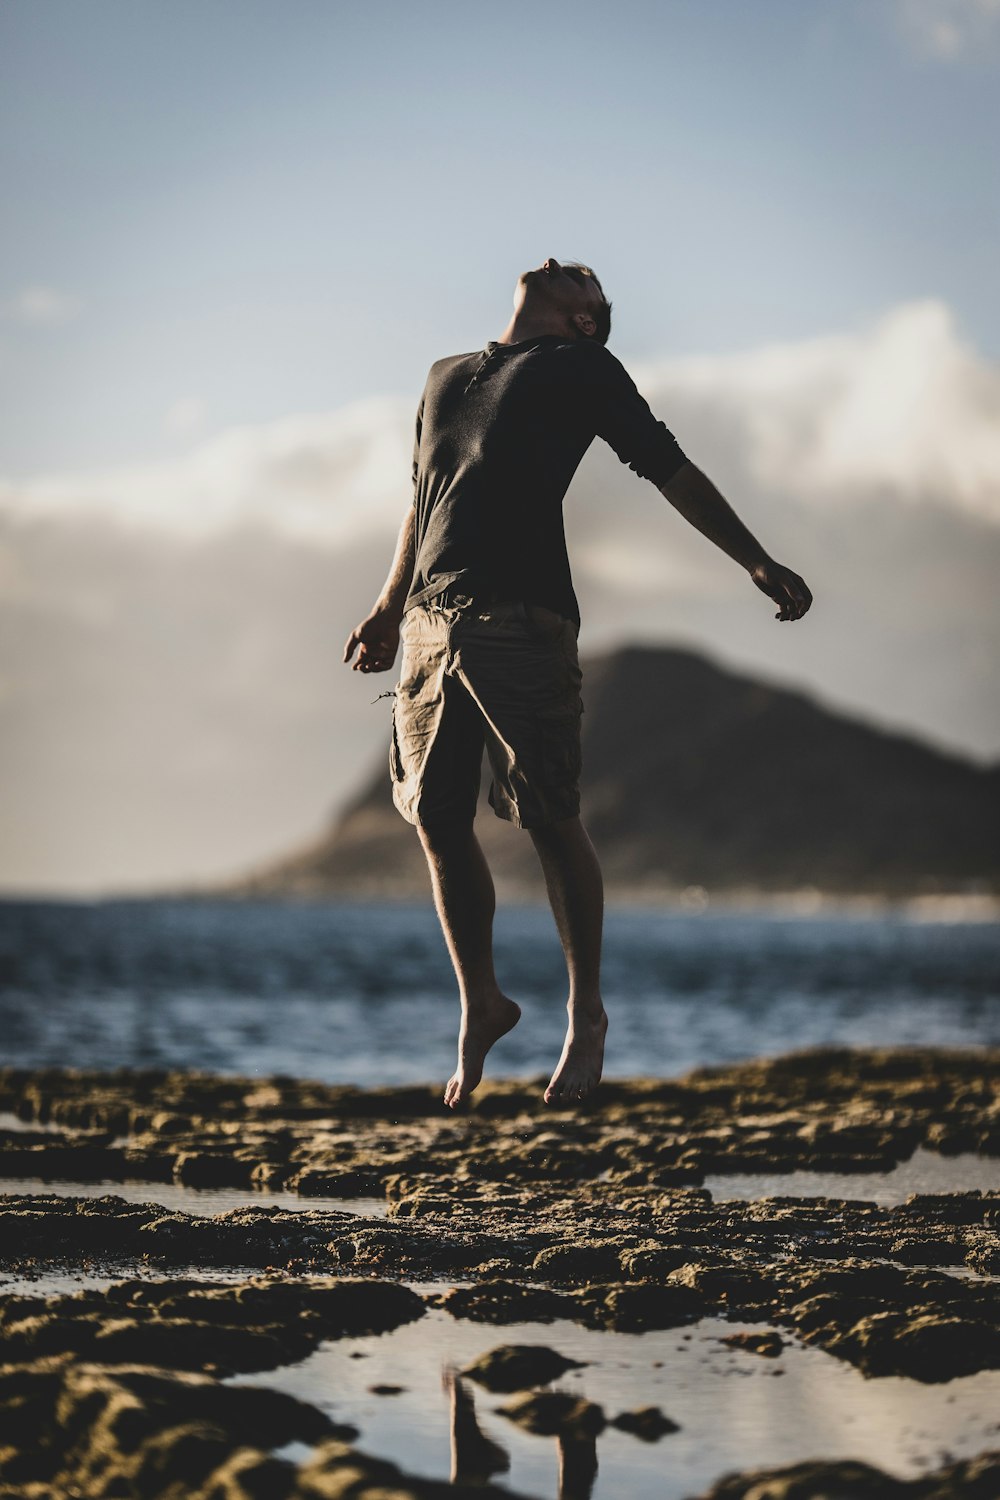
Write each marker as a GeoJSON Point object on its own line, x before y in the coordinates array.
{"type": "Point", "coordinates": [509, 1213]}
{"type": "Point", "coordinates": [202, 1326]}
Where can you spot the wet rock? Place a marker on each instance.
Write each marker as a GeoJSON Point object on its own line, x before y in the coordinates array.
{"type": "Point", "coordinates": [950, 1208]}
{"type": "Point", "coordinates": [646, 1422]}
{"type": "Point", "coordinates": [652, 1262]}
{"type": "Point", "coordinates": [338, 1472]}
{"type": "Point", "coordinates": [926, 1347]}
{"type": "Point", "coordinates": [212, 1169]}
{"type": "Point", "coordinates": [313, 1183]}
{"type": "Point", "coordinates": [983, 1255]}
{"type": "Point", "coordinates": [516, 1367]}
{"type": "Point", "coordinates": [507, 1302]}
{"type": "Point", "coordinates": [199, 1326]}
{"type": "Point", "coordinates": [968, 1479]}
{"type": "Point", "coordinates": [180, 1344]}
{"type": "Point", "coordinates": [72, 1163]}
{"type": "Point", "coordinates": [577, 1263]}
{"type": "Point", "coordinates": [768, 1344]}
{"type": "Point", "coordinates": [556, 1413]}
{"type": "Point", "coordinates": [86, 1429]}
{"type": "Point", "coordinates": [250, 1475]}
{"type": "Point", "coordinates": [729, 1284]}
{"type": "Point", "coordinates": [639, 1308]}
{"type": "Point", "coordinates": [142, 1165]}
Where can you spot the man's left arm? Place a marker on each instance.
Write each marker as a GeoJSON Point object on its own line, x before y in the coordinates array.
{"type": "Point", "coordinates": [623, 418]}
{"type": "Point", "coordinates": [693, 494]}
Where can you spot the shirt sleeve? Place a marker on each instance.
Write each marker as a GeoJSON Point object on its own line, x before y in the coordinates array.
{"type": "Point", "coordinates": [623, 419]}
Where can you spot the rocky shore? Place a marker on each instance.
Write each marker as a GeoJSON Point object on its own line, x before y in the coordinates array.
{"type": "Point", "coordinates": [510, 1213]}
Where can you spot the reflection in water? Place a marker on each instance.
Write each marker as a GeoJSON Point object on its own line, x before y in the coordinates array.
{"type": "Point", "coordinates": [729, 1411]}
{"type": "Point", "coordinates": [577, 1467]}
{"type": "Point", "coordinates": [475, 1458]}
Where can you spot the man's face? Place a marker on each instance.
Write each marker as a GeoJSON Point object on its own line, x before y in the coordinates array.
{"type": "Point", "coordinates": [566, 290]}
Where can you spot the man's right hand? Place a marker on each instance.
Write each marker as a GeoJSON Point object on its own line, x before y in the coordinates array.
{"type": "Point", "coordinates": [376, 641]}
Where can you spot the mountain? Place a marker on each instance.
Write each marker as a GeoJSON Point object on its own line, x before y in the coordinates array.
{"type": "Point", "coordinates": [695, 776]}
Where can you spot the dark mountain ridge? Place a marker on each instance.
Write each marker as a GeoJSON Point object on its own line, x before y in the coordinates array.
{"type": "Point", "coordinates": [695, 775]}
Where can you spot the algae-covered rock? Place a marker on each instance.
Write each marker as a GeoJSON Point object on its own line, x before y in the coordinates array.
{"type": "Point", "coordinates": [769, 1344]}
{"type": "Point", "coordinates": [927, 1346]}
{"type": "Point", "coordinates": [505, 1301]}
{"type": "Point", "coordinates": [812, 1481]}
{"type": "Point", "coordinates": [639, 1307]}
{"type": "Point", "coordinates": [646, 1422]}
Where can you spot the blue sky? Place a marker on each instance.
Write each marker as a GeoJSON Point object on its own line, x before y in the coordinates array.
{"type": "Point", "coordinates": [220, 213]}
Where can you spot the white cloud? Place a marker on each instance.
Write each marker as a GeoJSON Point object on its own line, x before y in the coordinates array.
{"type": "Point", "coordinates": [949, 29]}
{"type": "Point", "coordinates": [320, 478]}
{"type": "Point", "coordinates": [904, 405]}
{"type": "Point", "coordinates": [185, 417]}
{"type": "Point", "coordinates": [43, 306]}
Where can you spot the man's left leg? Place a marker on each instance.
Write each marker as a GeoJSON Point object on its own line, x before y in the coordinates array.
{"type": "Point", "coordinates": [576, 894]}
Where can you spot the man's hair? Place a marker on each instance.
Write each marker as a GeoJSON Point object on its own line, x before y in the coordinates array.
{"type": "Point", "coordinates": [602, 316]}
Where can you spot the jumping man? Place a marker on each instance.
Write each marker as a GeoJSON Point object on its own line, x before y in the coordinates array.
{"type": "Point", "coordinates": [481, 596]}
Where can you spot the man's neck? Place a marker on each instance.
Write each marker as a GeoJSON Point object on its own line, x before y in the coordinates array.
{"type": "Point", "coordinates": [532, 326]}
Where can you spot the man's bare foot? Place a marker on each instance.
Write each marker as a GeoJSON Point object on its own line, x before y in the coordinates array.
{"type": "Point", "coordinates": [481, 1027]}
{"type": "Point", "coordinates": [579, 1069]}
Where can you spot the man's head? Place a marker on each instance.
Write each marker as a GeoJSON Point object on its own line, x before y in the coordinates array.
{"type": "Point", "coordinates": [570, 295]}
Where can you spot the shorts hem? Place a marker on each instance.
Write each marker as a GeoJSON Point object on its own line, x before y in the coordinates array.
{"type": "Point", "coordinates": [418, 820]}
{"type": "Point", "coordinates": [512, 815]}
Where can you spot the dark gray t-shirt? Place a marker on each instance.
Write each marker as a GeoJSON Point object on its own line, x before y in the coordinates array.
{"type": "Point", "coordinates": [500, 434]}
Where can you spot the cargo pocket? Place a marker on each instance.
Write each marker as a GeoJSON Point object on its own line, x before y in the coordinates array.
{"type": "Point", "coordinates": [561, 760]}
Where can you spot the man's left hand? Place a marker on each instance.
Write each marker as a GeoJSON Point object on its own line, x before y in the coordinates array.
{"type": "Point", "coordinates": [786, 588]}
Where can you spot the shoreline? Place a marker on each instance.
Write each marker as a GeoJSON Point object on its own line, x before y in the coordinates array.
{"type": "Point", "coordinates": [971, 908]}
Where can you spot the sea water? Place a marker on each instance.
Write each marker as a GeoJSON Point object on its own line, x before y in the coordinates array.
{"type": "Point", "coordinates": [363, 993]}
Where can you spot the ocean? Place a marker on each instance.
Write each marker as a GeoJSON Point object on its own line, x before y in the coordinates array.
{"type": "Point", "coordinates": [362, 993]}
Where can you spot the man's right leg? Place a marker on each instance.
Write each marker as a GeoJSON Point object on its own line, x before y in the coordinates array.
{"type": "Point", "coordinates": [436, 758]}
{"type": "Point", "coordinates": [466, 901]}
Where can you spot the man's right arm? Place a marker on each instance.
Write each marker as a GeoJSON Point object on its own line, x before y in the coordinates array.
{"type": "Point", "coordinates": [376, 639]}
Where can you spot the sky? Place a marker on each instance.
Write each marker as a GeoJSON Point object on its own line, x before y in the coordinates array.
{"type": "Point", "coordinates": [236, 236]}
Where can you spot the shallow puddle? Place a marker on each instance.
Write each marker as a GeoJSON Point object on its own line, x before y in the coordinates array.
{"type": "Point", "coordinates": [10, 1121]}
{"type": "Point", "coordinates": [62, 1281]}
{"type": "Point", "coordinates": [925, 1172]}
{"type": "Point", "coordinates": [736, 1410]}
{"type": "Point", "coordinates": [202, 1202]}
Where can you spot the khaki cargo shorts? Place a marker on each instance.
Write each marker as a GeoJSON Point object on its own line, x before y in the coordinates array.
{"type": "Point", "coordinates": [504, 676]}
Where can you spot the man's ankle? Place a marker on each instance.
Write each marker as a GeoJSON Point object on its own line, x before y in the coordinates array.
{"type": "Point", "coordinates": [589, 1010]}
{"type": "Point", "coordinates": [485, 997]}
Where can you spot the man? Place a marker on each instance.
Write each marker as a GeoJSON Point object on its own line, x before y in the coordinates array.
{"type": "Point", "coordinates": [480, 589]}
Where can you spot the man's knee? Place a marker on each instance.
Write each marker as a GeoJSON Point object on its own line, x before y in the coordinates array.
{"type": "Point", "coordinates": [441, 834]}
{"type": "Point", "coordinates": [563, 831]}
